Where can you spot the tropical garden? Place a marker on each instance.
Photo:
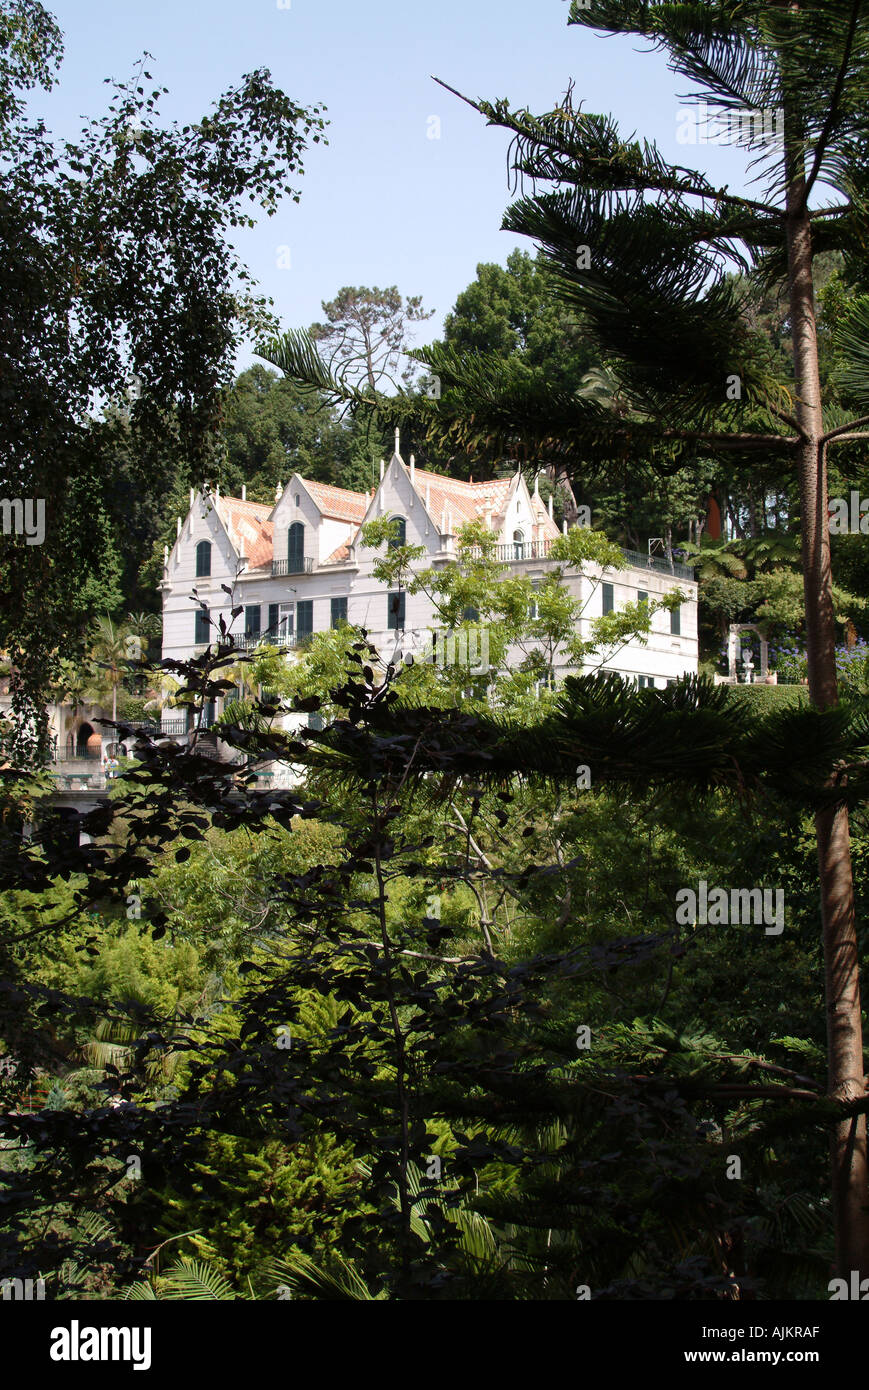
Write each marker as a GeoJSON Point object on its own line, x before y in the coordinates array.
{"type": "Point", "coordinates": [426, 1023]}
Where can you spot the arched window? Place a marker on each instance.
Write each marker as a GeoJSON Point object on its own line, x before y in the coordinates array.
{"type": "Point", "coordinates": [203, 559]}
{"type": "Point", "coordinates": [518, 544]}
{"type": "Point", "coordinates": [399, 526]}
{"type": "Point", "coordinates": [296, 548]}
{"type": "Point", "coordinates": [87, 742]}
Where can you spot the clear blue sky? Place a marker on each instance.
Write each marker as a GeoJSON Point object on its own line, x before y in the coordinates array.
{"type": "Point", "coordinates": [382, 204]}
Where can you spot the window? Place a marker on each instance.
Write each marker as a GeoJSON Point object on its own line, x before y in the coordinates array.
{"type": "Point", "coordinates": [518, 544]}
{"type": "Point", "coordinates": [298, 499]}
{"type": "Point", "coordinates": [203, 628]}
{"type": "Point", "coordinates": [646, 682]}
{"type": "Point", "coordinates": [339, 611]}
{"type": "Point", "coordinates": [470, 615]}
{"type": "Point", "coordinates": [608, 600]}
{"type": "Point", "coordinates": [274, 619]}
{"type": "Point", "coordinates": [400, 527]}
{"type": "Point", "coordinates": [285, 622]}
{"type": "Point", "coordinates": [642, 596]}
{"type": "Point", "coordinates": [203, 560]}
{"type": "Point", "coordinates": [296, 548]}
{"type": "Point", "coordinates": [252, 622]}
{"type": "Point", "coordinates": [305, 617]}
{"type": "Point", "coordinates": [396, 612]}
{"type": "Point", "coordinates": [676, 621]}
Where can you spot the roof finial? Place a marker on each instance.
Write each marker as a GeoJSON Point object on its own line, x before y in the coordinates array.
{"type": "Point", "coordinates": [279, 491]}
{"type": "Point", "coordinates": [244, 492]}
{"type": "Point", "coordinates": [397, 440]}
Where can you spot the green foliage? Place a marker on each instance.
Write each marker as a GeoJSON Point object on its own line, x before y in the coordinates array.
{"type": "Point", "coordinates": [133, 218]}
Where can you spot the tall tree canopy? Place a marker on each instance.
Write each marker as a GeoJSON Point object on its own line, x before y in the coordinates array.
{"type": "Point", "coordinates": [124, 305]}
{"type": "Point", "coordinates": [644, 250]}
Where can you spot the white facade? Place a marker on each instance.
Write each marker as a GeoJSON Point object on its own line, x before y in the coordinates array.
{"type": "Point", "coordinates": [301, 566]}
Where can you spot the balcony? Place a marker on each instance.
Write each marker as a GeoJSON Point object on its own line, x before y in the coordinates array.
{"type": "Point", "coordinates": [249, 641]}
{"type": "Point", "coordinates": [522, 550]}
{"type": "Point", "coordinates": [539, 550]}
{"type": "Point", "coordinates": [303, 564]}
{"type": "Point", "coordinates": [658, 563]}
{"type": "Point", "coordinates": [68, 754]}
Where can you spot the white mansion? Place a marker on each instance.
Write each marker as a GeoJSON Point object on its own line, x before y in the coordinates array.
{"type": "Point", "coordinates": [301, 567]}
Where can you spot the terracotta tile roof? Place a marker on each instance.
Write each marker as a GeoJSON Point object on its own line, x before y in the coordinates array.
{"type": "Point", "coordinates": [338, 502]}
{"type": "Point", "coordinates": [466, 501]}
{"type": "Point", "coordinates": [253, 534]}
{"type": "Point", "coordinates": [249, 529]}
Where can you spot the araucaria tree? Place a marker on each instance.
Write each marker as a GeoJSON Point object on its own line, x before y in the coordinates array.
{"type": "Point", "coordinates": [644, 249]}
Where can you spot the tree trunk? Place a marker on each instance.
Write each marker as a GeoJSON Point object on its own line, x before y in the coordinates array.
{"type": "Point", "coordinates": [850, 1190]}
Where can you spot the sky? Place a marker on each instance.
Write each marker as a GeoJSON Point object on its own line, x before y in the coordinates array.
{"type": "Point", "coordinates": [412, 187]}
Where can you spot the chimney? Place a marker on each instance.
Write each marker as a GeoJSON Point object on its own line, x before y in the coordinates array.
{"type": "Point", "coordinates": [244, 492]}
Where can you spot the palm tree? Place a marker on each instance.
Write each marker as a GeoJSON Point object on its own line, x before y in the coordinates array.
{"type": "Point", "coordinates": [113, 647]}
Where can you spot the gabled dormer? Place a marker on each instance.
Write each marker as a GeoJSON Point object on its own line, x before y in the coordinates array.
{"type": "Point", "coordinates": [313, 524]}
{"type": "Point", "coordinates": [401, 496]}
{"type": "Point", "coordinates": [206, 550]}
